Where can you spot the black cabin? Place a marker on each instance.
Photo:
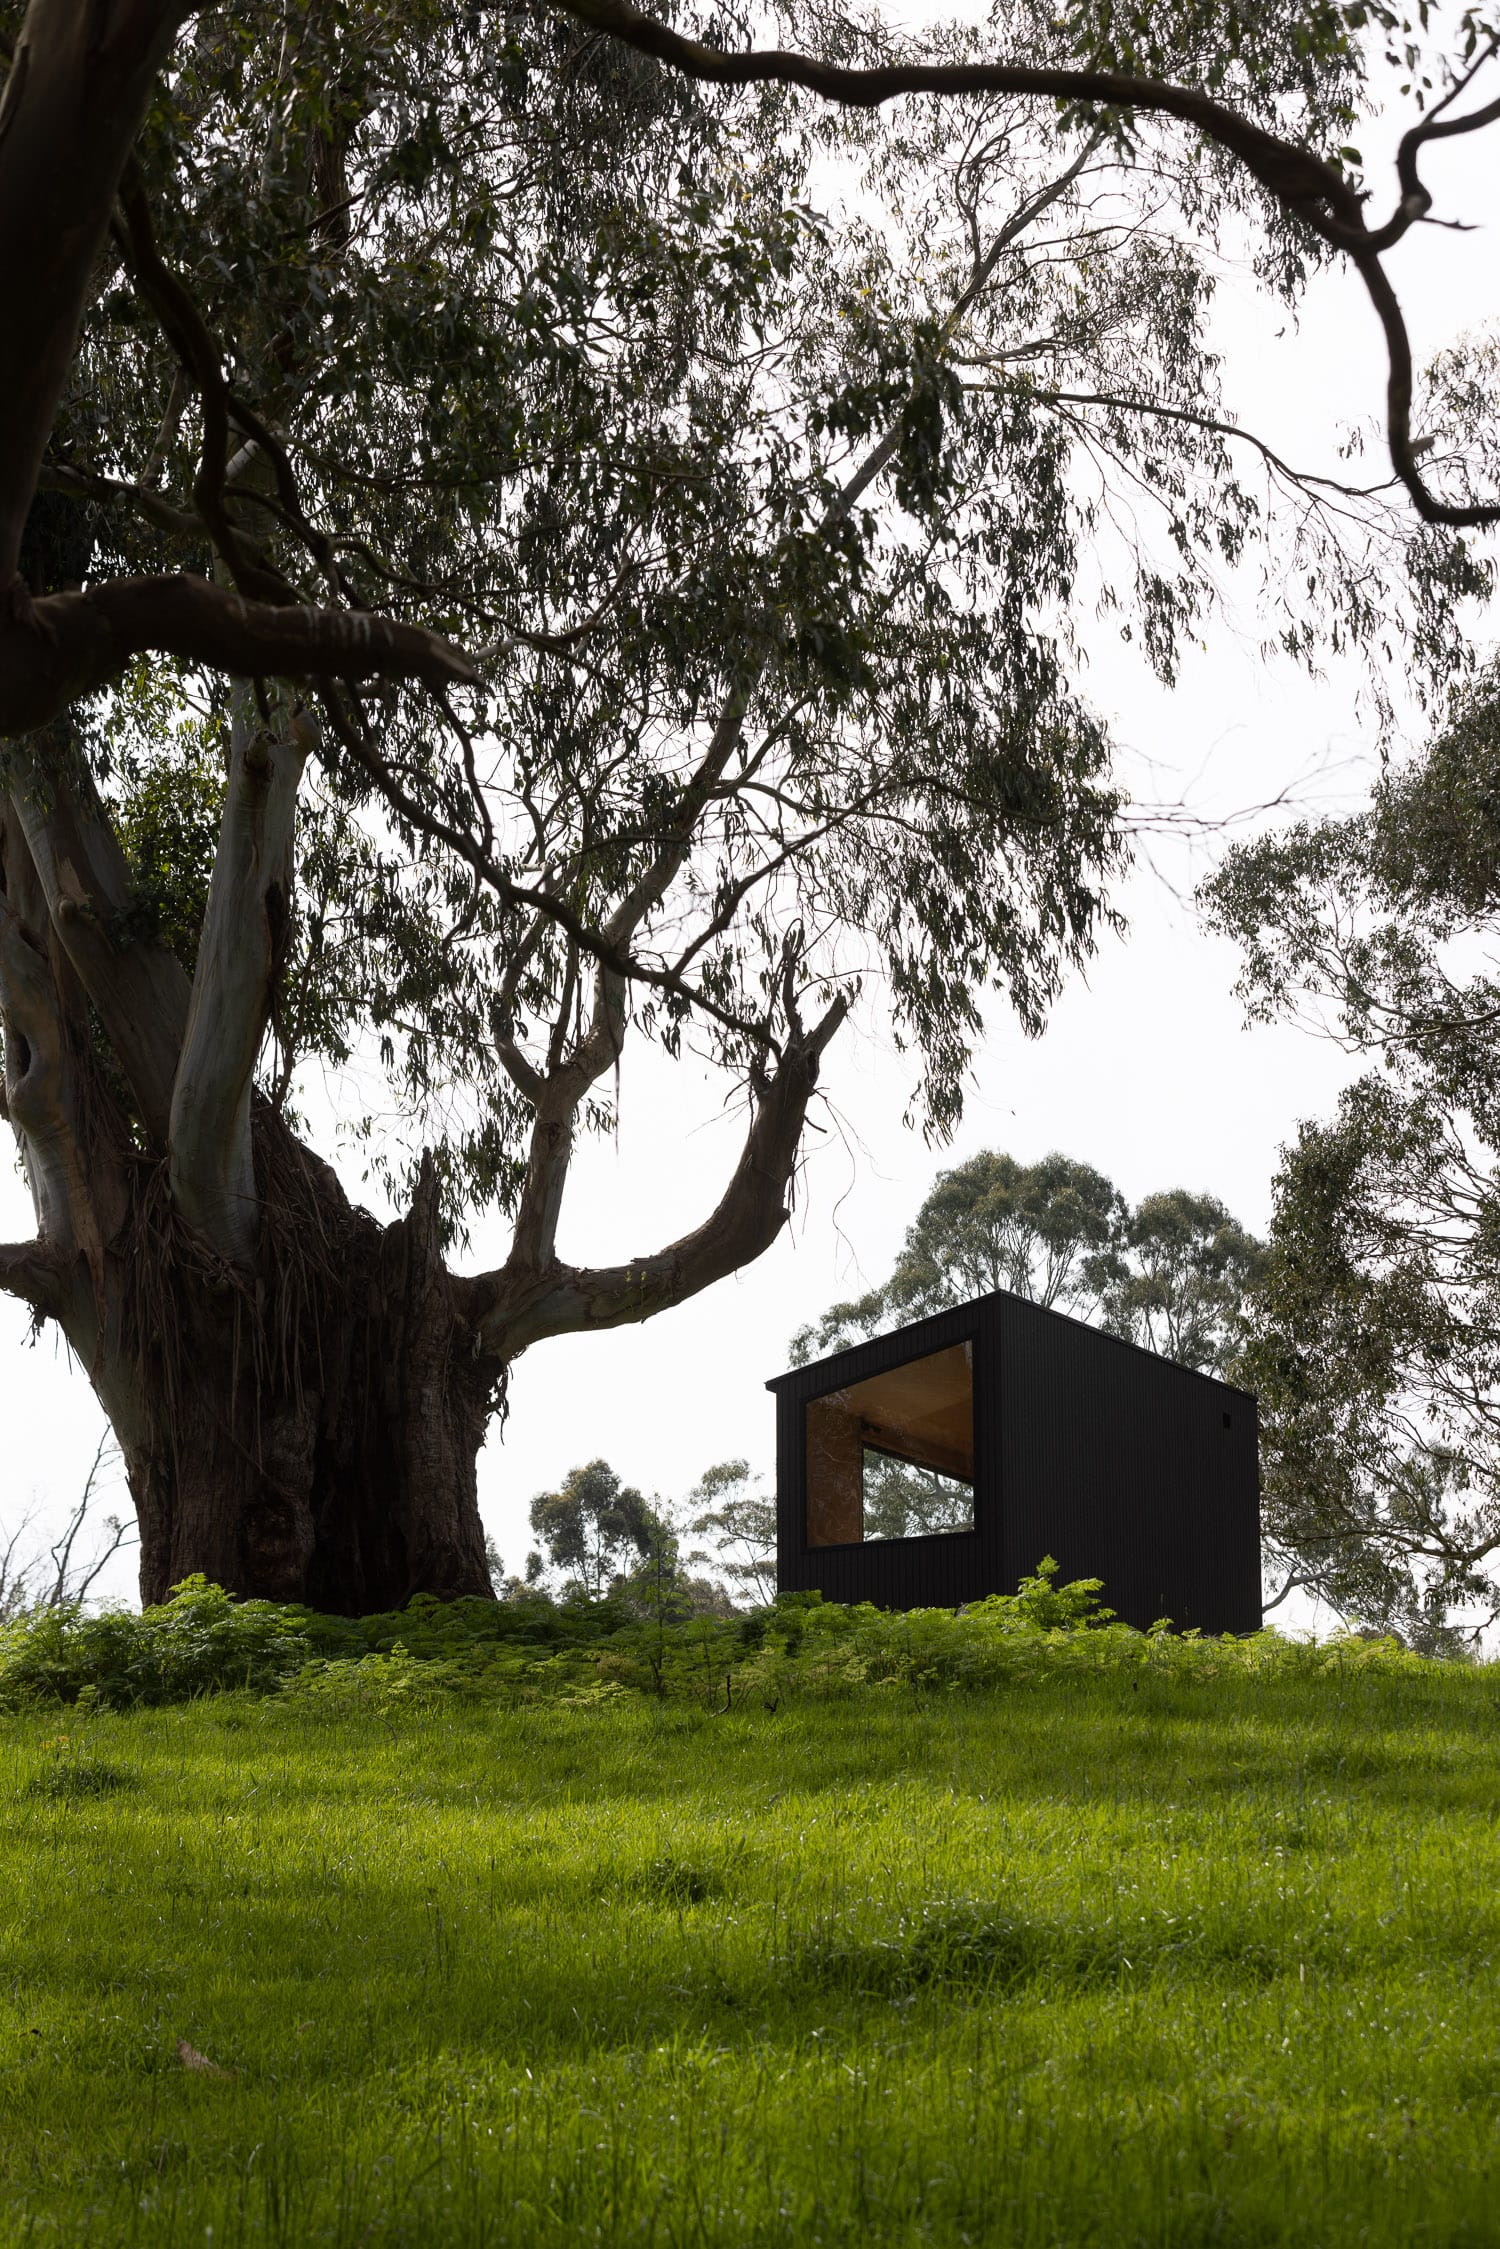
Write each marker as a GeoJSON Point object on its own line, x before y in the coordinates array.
{"type": "Point", "coordinates": [940, 1463]}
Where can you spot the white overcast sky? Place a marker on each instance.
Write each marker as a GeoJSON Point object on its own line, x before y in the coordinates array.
{"type": "Point", "coordinates": [1146, 1069]}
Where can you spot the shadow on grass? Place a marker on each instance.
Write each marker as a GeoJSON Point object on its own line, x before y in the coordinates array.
{"type": "Point", "coordinates": [968, 1945]}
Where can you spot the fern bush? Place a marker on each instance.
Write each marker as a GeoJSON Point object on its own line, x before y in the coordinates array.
{"type": "Point", "coordinates": [582, 1654]}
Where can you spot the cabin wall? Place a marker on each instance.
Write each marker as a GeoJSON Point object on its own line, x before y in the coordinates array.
{"type": "Point", "coordinates": [1127, 1467]}
{"type": "Point", "coordinates": [1121, 1464]}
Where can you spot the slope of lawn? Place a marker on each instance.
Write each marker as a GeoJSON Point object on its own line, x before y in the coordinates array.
{"type": "Point", "coordinates": [1160, 1947]}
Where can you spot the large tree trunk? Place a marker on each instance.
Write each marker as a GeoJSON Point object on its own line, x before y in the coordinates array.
{"type": "Point", "coordinates": [297, 1390]}
{"type": "Point", "coordinates": [300, 1393]}
{"type": "Point", "coordinates": [308, 1433]}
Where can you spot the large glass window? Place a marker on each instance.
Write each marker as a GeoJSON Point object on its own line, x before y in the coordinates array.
{"type": "Point", "coordinates": [893, 1457]}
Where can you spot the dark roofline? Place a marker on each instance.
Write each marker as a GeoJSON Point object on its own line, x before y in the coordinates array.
{"type": "Point", "coordinates": [853, 1351]}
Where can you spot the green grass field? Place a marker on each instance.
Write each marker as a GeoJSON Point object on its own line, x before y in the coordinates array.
{"type": "Point", "coordinates": [1115, 1956]}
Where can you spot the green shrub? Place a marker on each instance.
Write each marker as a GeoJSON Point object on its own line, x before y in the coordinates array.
{"type": "Point", "coordinates": [586, 1653]}
{"type": "Point", "coordinates": [201, 1641]}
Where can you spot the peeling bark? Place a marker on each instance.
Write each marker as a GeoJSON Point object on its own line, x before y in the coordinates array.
{"type": "Point", "coordinates": [74, 1145]}
{"type": "Point", "coordinates": [71, 1149]}
{"type": "Point", "coordinates": [37, 1272]}
{"type": "Point", "coordinates": [40, 1095]}
{"type": "Point", "coordinates": [312, 1436]}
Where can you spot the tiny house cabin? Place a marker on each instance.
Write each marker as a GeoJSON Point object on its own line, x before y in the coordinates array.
{"type": "Point", "coordinates": [940, 1463]}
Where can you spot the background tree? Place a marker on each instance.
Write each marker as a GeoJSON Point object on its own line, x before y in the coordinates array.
{"type": "Point", "coordinates": [593, 1528]}
{"type": "Point", "coordinates": [1044, 1231]}
{"type": "Point", "coordinates": [336, 341]}
{"type": "Point", "coordinates": [1172, 1275]}
{"type": "Point", "coordinates": [1182, 1275]}
{"type": "Point", "coordinates": [65, 1574]}
{"type": "Point", "coordinates": [733, 1510]}
{"type": "Point", "coordinates": [1376, 1347]}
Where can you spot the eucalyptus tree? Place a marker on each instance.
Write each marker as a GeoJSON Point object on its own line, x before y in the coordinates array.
{"type": "Point", "coordinates": [1183, 1277]}
{"type": "Point", "coordinates": [505, 550]}
{"type": "Point", "coordinates": [1376, 1341]}
{"type": "Point", "coordinates": [1176, 1274]}
{"type": "Point", "coordinates": [734, 1511]}
{"type": "Point", "coordinates": [1046, 1231]}
{"type": "Point", "coordinates": [593, 1527]}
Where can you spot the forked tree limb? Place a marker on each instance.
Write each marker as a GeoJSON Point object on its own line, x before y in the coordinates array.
{"type": "Point", "coordinates": [556, 1095]}
{"type": "Point", "coordinates": [557, 1091]}
{"type": "Point", "coordinates": [512, 1309]}
{"type": "Point", "coordinates": [1304, 183]}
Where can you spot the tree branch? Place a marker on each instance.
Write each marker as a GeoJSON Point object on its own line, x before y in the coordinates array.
{"type": "Point", "coordinates": [514, 1308]}
{"type": "Point", "coordinates": [557, 1096]}
{"type": "Point", "coordinates": [1295, 176]}
{"type": "Point", "coordinates": [557, 1093]}
{"type": "Point", "coordinates": [79, 82]}
{"type": "Point", "coordinates": [1305, 184]}
{"type": "Point", "coordinates": [83, 484]}
{"type": "Point", "coordinates": [75, 1188]}
{"type": "Point", "coordinates": [138, 987]}
{"type": "Point", "coordinates": [66, 645]}
{"type": "Point", "coordinates": [37, 1272]}
{"type": "Point", "coordinates": [211, 1165]}
{"type": "Point", "coordinates": [591, 942]}
{"type": "Point", "coordinates": [201, 360]}
{"type": "Point", "coordinates": [40, 1097]}
{"type": "Point", "coordinates": [1191, 418]}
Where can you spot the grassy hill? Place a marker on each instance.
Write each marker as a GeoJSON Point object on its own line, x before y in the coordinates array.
{"type": "Point", "coordinates": [1138, 1942]}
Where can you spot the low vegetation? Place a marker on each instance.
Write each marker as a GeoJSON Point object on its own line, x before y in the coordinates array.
{"type": "Point", "coordinates": [562, 1926]}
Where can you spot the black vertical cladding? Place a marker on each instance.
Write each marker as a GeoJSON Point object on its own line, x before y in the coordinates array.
{"type": "Point", "coordinates": [1123, 1465]}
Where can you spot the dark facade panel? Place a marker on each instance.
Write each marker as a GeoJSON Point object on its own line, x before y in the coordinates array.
{"type": "Point", "coordinates": [1125, 1466]}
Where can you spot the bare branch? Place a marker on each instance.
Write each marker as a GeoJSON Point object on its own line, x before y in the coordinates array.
{"type": "Point", "coordinates": [594, 944]}
{"type": "Point", "coordinates": [1159, 410]}
{"type": "Point", "coordinates": [1437, 125]}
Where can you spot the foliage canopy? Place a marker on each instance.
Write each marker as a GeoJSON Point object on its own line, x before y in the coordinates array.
{"type": "Point", "coordinates": [1377, 1343]}
{"type": "Point", "coordinates": [1173, 1274]}
{"type": "Point", "coordinates": [708, 419]}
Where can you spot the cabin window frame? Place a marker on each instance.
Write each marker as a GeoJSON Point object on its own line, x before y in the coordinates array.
{"type": "Point", "coordinates": [970, 1332]}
